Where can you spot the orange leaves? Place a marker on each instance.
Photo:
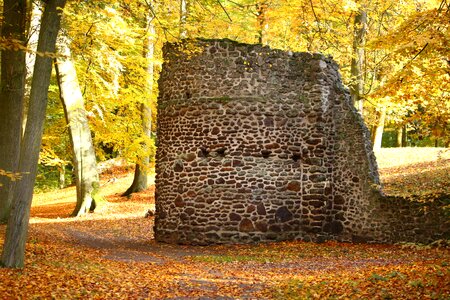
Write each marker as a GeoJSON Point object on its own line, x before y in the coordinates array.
{"type": "Point", "coordinates": [421, 172]}
{"type": "Point", "coordinates": [298, 270]}
{"type": "Point", "coordinates": [10, 175]}
{"type": "Point", "coordinates": [409, 280]}
{"type": "Point", "coordinates": [112, 255]}
{"type": "Point", "coordinates": [387, 272]}
{"type": "Point", "coordinates": [12, 44]}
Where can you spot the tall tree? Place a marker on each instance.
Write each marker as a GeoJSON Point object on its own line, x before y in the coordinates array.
{"type": "Point", "coordinates": [261, 9]}
{"type": "Point", "coordinates": [35, 15]}
{"type": "Point", "coordinates": [13, 254]}
{"type": "Point", "coordinates": [141, 170]}
{"type": "Point", "coordinates": [107, 50]}
{"type": "Point", "coordinates": [184, 14]}
{"type": "Point", "coordinates": [84, 160]}
{"type": "Point", "coordinates": [418, 83]}
{"type": "Point", "coordinates": [379, 129]}
{"type": "Point", "coordinates": [13, 72]}
{"type": "Point", "coordinates": [359, 41]}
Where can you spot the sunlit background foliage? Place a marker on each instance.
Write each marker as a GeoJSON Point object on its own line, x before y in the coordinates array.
{"type": "Point", "coordinates": [405, 72]}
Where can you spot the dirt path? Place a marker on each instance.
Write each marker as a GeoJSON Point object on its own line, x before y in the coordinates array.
{"type": "Point", "coordinates": [118, 246]}
{"type": "Point", "coordinates": [118, 241]}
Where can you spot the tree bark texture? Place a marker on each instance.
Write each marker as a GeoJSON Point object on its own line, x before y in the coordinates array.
{"type": "Point", "coordinates": [16, 232]}
{"type": "Point", "coordinates": [140, 172]}
{"type": "Point", "coordinates": [183, 18]}
{"type": "Point", "coordinates": [400, 137]}
{"type": "Point", "coordinates": [35, 16]}
{"type": "Point", "coordinates": [84, 160]}
{"type": "Point", "coordinates": [404, 136]}
{"type": "Point", "coordinates": [62, 176]}
{"type": "Point", "coordinates": [139, 181]}
{"type": "Point", "coordinates": [359, 41]}
{"type": "Point", "coordinates": [13, 72]}
{"type": "Point", "coordinates": [261, 8]}
{"type": "Point", "coordinates": [379, 130]}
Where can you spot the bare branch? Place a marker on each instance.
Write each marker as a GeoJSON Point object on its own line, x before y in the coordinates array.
{"type": "Point", "coordinates": [224, 10]}
{"type": "Point", "coordinates": [315, 16]}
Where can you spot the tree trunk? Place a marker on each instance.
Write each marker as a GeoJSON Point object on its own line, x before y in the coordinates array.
{"type": "Point", "coordinates": [379, 131]}
{"type": "Point", "coordinates": [140, 172]}
{"type": "Point", "coordinates": [139, 181]}
{"type": "Point", "coordinates": [13, 72]}
{"type": "Point", "coordinates": [84, 160]}
{"type": "Point", "coordinates": [16, 232]}
{"type": "Point", "coordinates": [359, 40]}
{"type": "Point", "coordinates": [183, 18]}
{"type": "Point", "coordinates": [35, 15]}
{"type": "Point", "coordinates": [404, 136]}
{"type": "Point", "coordinates": [62, 176]}
{"type": "Point", "coordinates": [400, 137]}
{"type": "Point", "coordinates": [261, 8]}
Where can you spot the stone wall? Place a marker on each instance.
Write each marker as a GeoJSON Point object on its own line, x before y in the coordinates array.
{"type": "Point", "coordinates": [256, 144]}
{"type": "Point", "coordinates": [396, 219]}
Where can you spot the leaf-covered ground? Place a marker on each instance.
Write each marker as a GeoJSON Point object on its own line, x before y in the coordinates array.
{"type": "Point", "coordinates": [111, 255]}
{"type": "Point", "coordinates": [415, 171]}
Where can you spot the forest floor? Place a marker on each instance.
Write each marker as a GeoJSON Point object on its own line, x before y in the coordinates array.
{"type": "Point", "coordinates": [111, 254]}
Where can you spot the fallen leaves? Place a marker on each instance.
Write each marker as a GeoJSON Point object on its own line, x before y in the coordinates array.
{"type": "Point", "coordinates": [111, 254]}
{"type": "Point", "coordinates": [420, 172]}
{"type": "Point", "coordinates": [409, 280]}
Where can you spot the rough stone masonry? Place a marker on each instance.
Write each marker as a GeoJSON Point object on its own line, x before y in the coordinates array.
{"type": "Point", "coordinates": [256, 144]}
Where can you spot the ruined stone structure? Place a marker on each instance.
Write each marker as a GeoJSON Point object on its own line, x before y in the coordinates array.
{"type": "Point", "coordinates": [256, 144]}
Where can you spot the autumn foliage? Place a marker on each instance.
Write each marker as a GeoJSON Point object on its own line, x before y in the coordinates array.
{"type": "Point", "coordinates": [111, 253]}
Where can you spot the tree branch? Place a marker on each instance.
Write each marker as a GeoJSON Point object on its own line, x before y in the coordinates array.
{"type": "Point", "coordinates": [224, 10]}
{"type": "Point", "coordinates": [315, 16]}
